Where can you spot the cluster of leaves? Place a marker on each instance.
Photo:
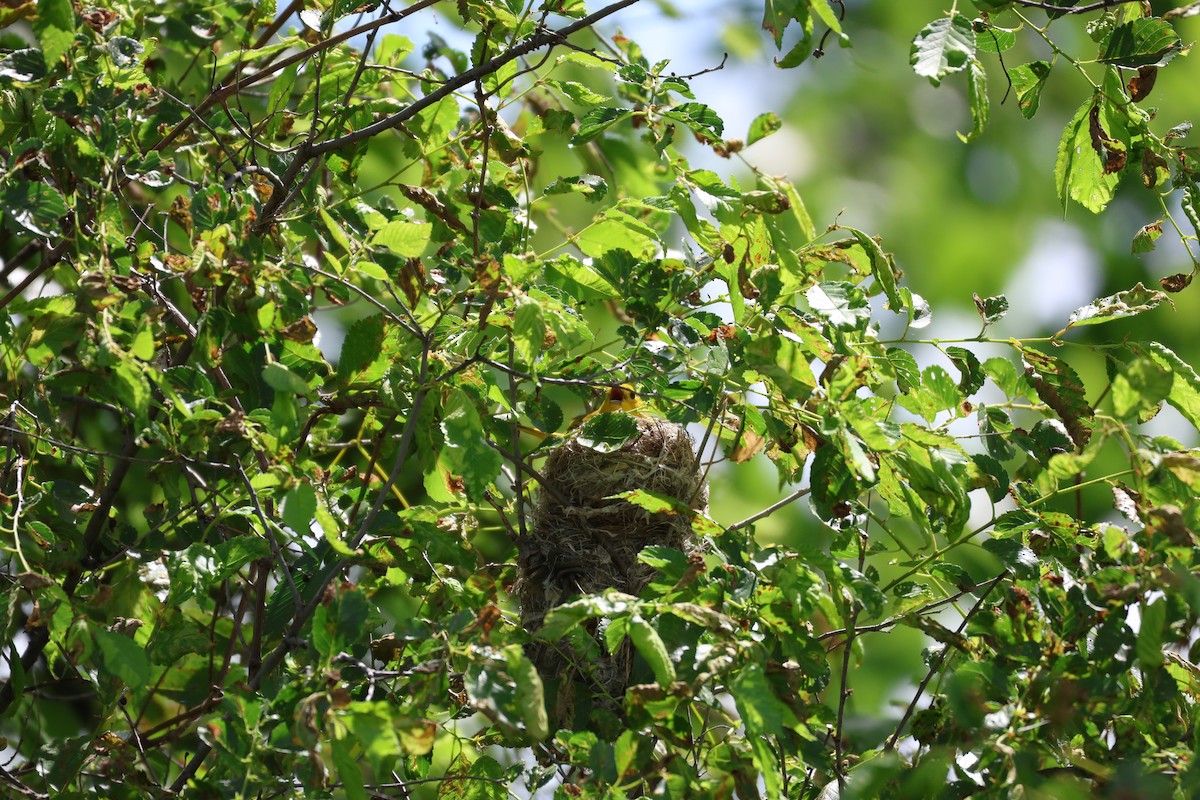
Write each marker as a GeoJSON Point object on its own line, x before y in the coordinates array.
{"type": "Point", "coordinates": [1112, 133]}
{"type": "Point", "coordinates": [238, 566]}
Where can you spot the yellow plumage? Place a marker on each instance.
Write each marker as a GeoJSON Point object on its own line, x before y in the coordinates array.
{"type": "Point", "coordinates": [620, 398]}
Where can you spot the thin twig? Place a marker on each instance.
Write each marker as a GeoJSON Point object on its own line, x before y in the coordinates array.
{"type": "Point", "coordinates": [771, 509]}
{"type": "Point", "coordinates": [936, 666]}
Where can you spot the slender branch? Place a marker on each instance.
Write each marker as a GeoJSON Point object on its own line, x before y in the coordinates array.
{"type": "Point", "coordinates": [936, 666]}
{"type": "Point", "coordinates": [771, 509]}
{"type": "Point", "coordinates": [543, 38]}
{"type": "Point", "coordinates": [1098, 6]}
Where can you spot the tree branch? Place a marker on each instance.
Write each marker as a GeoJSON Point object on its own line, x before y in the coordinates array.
{"type": "Point", "coordinates": [544, 38]}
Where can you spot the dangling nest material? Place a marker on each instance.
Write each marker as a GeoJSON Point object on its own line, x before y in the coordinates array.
{"type": "Point", "coordinates": [581, 543]}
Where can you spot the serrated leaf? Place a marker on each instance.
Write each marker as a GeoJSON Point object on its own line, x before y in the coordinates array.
{"type": "Point", "coordinates": [580, 93]}
{"type": "Point", "coordinates": [943, 47]}
{"type": "Point", "coordinates": [282, 379]}
{"type": "Point", "coordinates": [1191, 205]}
{"type": "Point", "coordinates": [1147, 235]}
{"type": "Point", "coordinates": [1149, 646]}
{"type": "Point", "coordinates": [361, 347]}
{"type": "Point", "coordinates": [1059, 387]}
{"type": "Point", "coordinates": [1014, 555]}
{"type": "Point", "coordinates": [607, 432]}
{"type": "Point", "coordinates": [1141, 43]}
{"type": "Point", "coordinates": [763, 126]}
{"type": "Point", "coordinates": [760, 709]}
{"type": "Point", "coordinates": [24, 66]}
{"type": "Point", "coordinates": [977, 99]}
{"type": "Point", "coordinates": [1185, 388]}
{"type": "Point", "coordinates": [349, 771]}
{"type": "Point", "coordinates": [300, 508]}
{"type": "Point", "coordinates": [405, 239]}
{"type": "Point", "coordinates": [55, 28]}
{"type": "Point", "coordinates": [994, 40]}
{"type": "Point", "coordinates": [908, 374]}
{"type": "Point", "coordinates": [882, 268]}
{"type": "Point", "coordinates": [1079, 172]}
{"type": "Point", "coordinates": [34, 206]}
{"type": "Point", "coordinates": [967, 363]}
{"type": "Point", "coordinates": [655, 502]}
{"type": "Point", "coordinates": [592, 187]}
{"type": "Point", "coordinates": [531, 697]}
{"type": "Point", "coordinates": [699, 118]}
{"type": "Point", "coordinates": [528, 329]}
{"type": "Point", "coordinates": [123, 658]}
{"type": "Point", "coordinates": [1028, 80]}
{"type": "Point", "coordinates": [651, 647]}
{"type": "Point", "coordinates": [1128, 303]}
{"type": "Point", "coordinates": [1139, 387]}
{"type": "Point", "coordinates": [991, 309]}
{"type": "Point", "coordinates": [841, 303]}
{"type": "Point", "coordinates": [597, 121]}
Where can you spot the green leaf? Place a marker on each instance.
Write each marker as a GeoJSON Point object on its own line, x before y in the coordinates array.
{"type": "Point", "coordinates": [23, 66]}
{"type": "Point", "coordinates": [607, 432]}
{"type": "Point", "coordinates": [362, 346]}
{"type": "Point", "coordinates": [528, 329]}
{"type": "Point", "coordinates": [785, 360]}
{"type": "Point", "coordinates": [1028, 80]}
{"type": "Point", "coordinates": [405, 239]}
{"type": "Point", "coordinates": [967, 363]}
{"type": "Point", "coordinates": [1140, 43]}
{"type": "Point", "coordinates": [531, 698]}
{"type": "Point", "coordinates": [882, 267]}
{"type": "Point", "coordinates": [592, 187]}
{"type": "Point", "coordinates": [763, 126]}
{"type": "Point", "coordinates": [581, 281]}
{"type": "Point", "coordinates": [1139, 387]}
{"type": "Point", "coordinates": [237, 552]}
{"type": "Point", "coordinates": [34, 206]}
{"type": "Point", "coordinates": [827, 15]}
{"type": "Point", "coordinates": [650, 646]}
{"type": "Point", "coordinates": [1147, 235]}
{"type": "Point", "coordinates": [904, 366]}
{"type": "Point", "coordinates": [55, 28]}
{"type": "Point", "coordinates": [1014, 555]}
{"type": "Point", "coordinates": [123, 658]}
{"type": "Point", "coordinates": [282, 379]}
{"type": "Point", "coordinates": [349, 771]}
{"type": "Point", "coordinates": [1059, 387]}
{"type": "Point", "coordinates": [994, 40]}
{"type": "Point", "coordinates": [1079, 172]}
{"type": "Point", "coordinates": [655, 502]}
{"type": "Point", "coordinates": [943, 47]}
{"type": "Point", "coordinates": [1149, 647]}
{"type": "Point", "coordinates": [579, 93]}
{"type": "Point", "coordinates": [1191, 205]}
{"type": "Point", "coordinates": [760, 708]}
{"type": "Point", "coordinates": [597, 121]}
{"type": "Point", "coordinates": [977, 98]}
{"type": "Point", "coordinates": [472, 457]}
{"type": "Point", "coordinates": [1185, 389]}
{"type": "Point", "coordinates": [699, 118]}
{"type": "Point", "coordinates": [841, 303]}
{"type": "Point", "coordinates": [777, 15]}
{"type": "Point", "coordinates": [1128, 303]}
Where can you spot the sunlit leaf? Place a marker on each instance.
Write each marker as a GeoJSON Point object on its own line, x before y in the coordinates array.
{"type": "Point", "coordinates": [943, 47]}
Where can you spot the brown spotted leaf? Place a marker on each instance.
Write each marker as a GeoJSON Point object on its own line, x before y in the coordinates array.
{"type": "Point", "coordinates": [1059, 387]}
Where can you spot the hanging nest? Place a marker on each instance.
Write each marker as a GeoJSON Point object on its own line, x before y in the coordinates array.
{"type": "Point", "coordinates": [582, 542]}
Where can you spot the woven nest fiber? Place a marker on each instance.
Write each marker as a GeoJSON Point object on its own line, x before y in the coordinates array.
{"type": "Point", "coordinates": [581, 541]}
